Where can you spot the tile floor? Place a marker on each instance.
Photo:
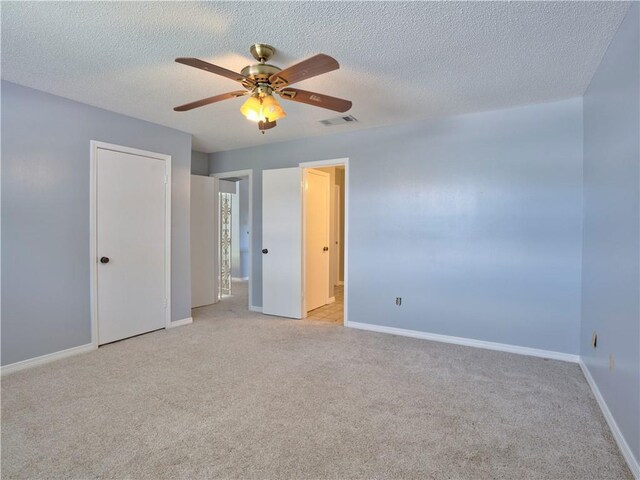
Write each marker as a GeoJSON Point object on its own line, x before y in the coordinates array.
{"type": "Point", "coordinates": [332, 312]}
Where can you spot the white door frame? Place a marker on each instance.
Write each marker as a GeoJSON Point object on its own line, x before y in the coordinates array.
{"type": "Point", "coordinates": [334, 163]}
{"type": "Point", "coordinates": [249, 175]}
{"type": "Point", "coordinates": [93, 204]}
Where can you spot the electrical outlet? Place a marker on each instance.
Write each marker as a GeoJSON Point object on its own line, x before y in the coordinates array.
{"type": "Point", "coordinates": [611, 362]}
{"type": "Point", "coordinates": [398, 301]}
{"type": "Point", "coordinates": [594, 339]}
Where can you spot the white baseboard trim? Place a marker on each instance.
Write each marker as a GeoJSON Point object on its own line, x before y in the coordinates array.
{"type": "Point", "coordinates": [634, 466]}
{"type": "Point", "coordinates": [50, 357]}
{"type": "Point", "coordinates": [253, 308]}
{"type": "Point", "coordinates": [239, 279]}
{"type": "Point", "coordinates": [179, 323]}
{"type": "Point", "coordinates": [468, 342]}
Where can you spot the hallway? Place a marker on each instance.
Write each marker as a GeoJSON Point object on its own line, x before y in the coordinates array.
{"type": "Point", "coordinates": [332, 312]}
{"type": "Point", "coordinates": [236, 303]}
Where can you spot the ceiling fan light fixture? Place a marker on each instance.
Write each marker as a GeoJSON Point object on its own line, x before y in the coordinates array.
{"type": "Point", "coordinates": [252, 109]}
{"type": "Point", "coordinates": [271, 109]}
{"type": "Point", "coordinates": [260, 108]}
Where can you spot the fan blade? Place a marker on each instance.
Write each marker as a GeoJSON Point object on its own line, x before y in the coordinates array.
{"type": "Point", "coordinates": [207, 101]}
{"type": "Point", "coordinates": [210, 67]}
{"type": "Point", "coordinates": [308, 68]}
{"type": "Point", "coordinates": [315, 99]}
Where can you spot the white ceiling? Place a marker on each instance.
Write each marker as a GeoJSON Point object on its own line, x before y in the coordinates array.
{"type": "Point", "coordinates": [399, 61]}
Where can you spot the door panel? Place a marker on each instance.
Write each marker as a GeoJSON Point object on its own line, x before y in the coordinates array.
{"type": "Point", "coordinates": [282, 238]}
{"type": "Point", "coordinates": [204, 240]}
{"type": "Point", "coordinates": [317, 205]}
{"type": "Point", "coordinates": [130, 232]}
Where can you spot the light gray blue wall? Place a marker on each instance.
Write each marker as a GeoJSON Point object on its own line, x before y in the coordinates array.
{"type": "Point", "coordinates": [199, 163]}
{"type": "Point", "coordinates": [45, 216]}
{"type": "Point", "coordinates": [611, 261]}
{"type": "Point", "coordinates": [474, 220]}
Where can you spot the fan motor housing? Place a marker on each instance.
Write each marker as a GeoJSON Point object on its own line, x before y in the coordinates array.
{"type": "Point", "coordinates": [260, 72]}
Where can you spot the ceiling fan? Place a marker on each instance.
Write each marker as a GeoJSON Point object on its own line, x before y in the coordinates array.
{"type": "Point", "coordinates": [262, 80]}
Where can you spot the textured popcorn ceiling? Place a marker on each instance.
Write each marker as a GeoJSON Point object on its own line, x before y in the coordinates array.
{"type": "Point", "coordinates": [399, 61]}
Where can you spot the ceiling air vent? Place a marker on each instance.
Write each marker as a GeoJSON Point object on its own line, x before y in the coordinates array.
{"type": "Point", "coordinates": [339, 120]}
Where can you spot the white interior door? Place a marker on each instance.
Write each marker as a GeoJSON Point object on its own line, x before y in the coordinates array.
{"type": "Point", "coordinates": [130, 244]}
{"type": "Point", "coordinates": [317, 205]}
{"type": "Point", "coordinates": [281, 243]}
{"type": "Point", "coordinates": [204, 240]}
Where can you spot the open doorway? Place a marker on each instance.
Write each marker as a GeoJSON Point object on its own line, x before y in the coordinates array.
{"type": "Point", "coordinates": [283, 242]}
{"type": "Point", "coordinates": [235, 237]}
{"type": "Point", "coordinates": [323, 242]}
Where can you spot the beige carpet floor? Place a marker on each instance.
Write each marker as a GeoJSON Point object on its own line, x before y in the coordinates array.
{"type": "Point", "coordinates": [241, 395]}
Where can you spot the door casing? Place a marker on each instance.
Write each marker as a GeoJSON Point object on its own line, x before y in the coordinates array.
{"type": "Point", "coordinates": [93, 259]}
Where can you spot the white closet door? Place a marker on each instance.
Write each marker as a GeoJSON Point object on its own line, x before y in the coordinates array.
{"type": "Point", "coordinates": [130, 243]}
{"type": "Point", "coordinates": [205, 212]}
{"type": "Point", "coordinates": [282, 243]}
